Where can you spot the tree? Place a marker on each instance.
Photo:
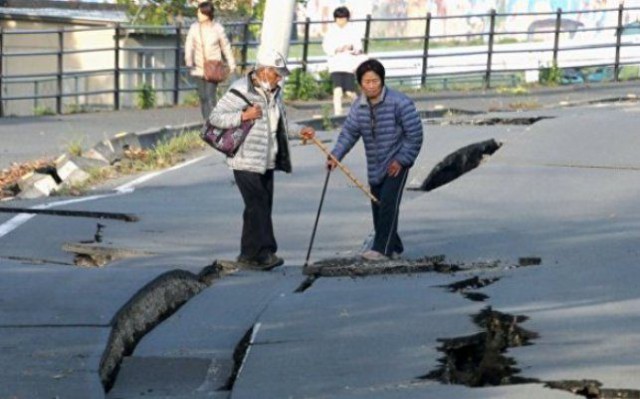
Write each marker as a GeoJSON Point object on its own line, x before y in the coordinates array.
{"type": "Point", "coordinates": [169, 12]}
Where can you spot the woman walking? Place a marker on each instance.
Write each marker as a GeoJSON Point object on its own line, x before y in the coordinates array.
{"type": "Point", "coordinates": [206, 41]}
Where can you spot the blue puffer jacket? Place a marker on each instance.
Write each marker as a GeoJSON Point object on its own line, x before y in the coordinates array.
{"type": "Point", "coordinates": [391, 129]}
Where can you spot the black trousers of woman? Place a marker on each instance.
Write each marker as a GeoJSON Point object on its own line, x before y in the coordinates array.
{"type": "Point", "coordinates": [258, 240]}
{"type": "Point", "coordinates": [385, 213]}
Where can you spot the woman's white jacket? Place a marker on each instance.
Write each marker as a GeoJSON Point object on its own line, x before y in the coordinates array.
{"type": "Point", "coordinates": [337, 37]}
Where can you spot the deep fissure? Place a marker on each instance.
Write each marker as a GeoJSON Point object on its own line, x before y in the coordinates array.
{"type": "Point", "coordinates": [306, 284]}
{"type": "Point", "coordinates": [239, 354]}
{"type": "Point", "coordinates": [68, 213]}
{"type": "Point", "coordinates": [479, 360]}
{"type": "Point", "coordinates": [490, 121]}
{"type": "Point", "coordinates": [473, 283]}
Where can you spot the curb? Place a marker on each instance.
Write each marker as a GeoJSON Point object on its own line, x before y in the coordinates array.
{"type": "Point", "coordinates": [71, 170]}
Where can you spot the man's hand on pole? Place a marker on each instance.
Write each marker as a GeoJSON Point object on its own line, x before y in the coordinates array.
{"type": "Point", "coordinates": [307, 133]}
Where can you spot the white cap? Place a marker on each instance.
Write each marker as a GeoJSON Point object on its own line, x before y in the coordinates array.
{"type": "Point", "coordinates": [270, 58]}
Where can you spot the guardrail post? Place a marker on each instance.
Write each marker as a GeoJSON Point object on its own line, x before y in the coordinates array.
{"type": "Point", "coordinates": [76, 88]}
{"type": "Point", "coordinates": [36, 94]}
{"type": "Point", "coordinates": [616, 65]}
{"type": "Point", "coordinates": [492, 32]}
{"type": "Point", "coordinates": [556, 38]}
{"type": "Point", "coordinates": [176, 72]}
{"type": "Point", "coordinates": [245, 44]}
{"type": "Point", "coordinates": [305, 45]}
{"type": "Point", "coordinates": [60, 70]}
{"type": "Point", "coordinates": [116, 69]}
{"type": "Point", "coordinates": [425, 50]}
{"type": "Point", "coordinates": [367, 34]}
{"type": "Point", "coordinates": [1, 70]}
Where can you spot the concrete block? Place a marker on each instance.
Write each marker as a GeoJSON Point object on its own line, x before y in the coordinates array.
{"type": "Point", "coordinates": [75, 170]}
{"type": "Point", "coordinates": [36, 185]}
{"type": "Point", "coordinates": [113, 149]}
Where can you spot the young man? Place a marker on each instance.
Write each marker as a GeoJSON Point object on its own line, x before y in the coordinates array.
{"type": "Point", "coordinates": [391, 129]}
{"type": "Point", "coordinates": [343, 44]}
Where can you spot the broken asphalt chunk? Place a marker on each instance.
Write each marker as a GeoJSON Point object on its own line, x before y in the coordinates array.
{"type": "Point", "coordinates": [458, 163]}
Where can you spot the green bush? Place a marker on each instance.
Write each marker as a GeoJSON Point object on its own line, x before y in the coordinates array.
{"type": "Point", "coordinates": [326, 87]}
{"type": "Point", "coordinates": [304, 86]}
{"type": "Point", "coordinates": [551, 75]}
{"type": "Point", "coordinates": [146, 96]}
{"type": "Point", "coordinates": [43, 110]}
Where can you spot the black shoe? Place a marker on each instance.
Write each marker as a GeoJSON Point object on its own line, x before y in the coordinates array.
{"type": "Point", "coordinates": [266, 262]}
{"type": "Point", "coordinates": [269, 262]}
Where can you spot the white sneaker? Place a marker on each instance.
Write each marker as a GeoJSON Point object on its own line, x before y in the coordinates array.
{"type": "Point", "coordinates": [373, 256]}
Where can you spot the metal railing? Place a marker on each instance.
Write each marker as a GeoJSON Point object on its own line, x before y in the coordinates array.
{"type": "Point", "coordinates": [59, 84]}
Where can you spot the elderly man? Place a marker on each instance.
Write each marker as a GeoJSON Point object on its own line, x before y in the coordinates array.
{"type": "Point", "coordinates": [265, 149]}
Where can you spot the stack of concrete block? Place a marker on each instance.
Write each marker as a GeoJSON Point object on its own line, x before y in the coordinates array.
{"type": "Point", "coordinates": [35, 185]}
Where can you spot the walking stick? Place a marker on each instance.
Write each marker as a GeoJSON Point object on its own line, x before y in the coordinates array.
{"type": "Point", "coordinates": [343, 169]}
{"type": "Point", "coordinates": [315, 226]}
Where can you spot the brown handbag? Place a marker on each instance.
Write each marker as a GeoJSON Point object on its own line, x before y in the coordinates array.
{"type": "Point", "coordinates": [214, 71]}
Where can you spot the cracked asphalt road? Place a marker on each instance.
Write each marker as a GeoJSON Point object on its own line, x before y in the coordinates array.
{"type": "Point", "coordinates": [564, 189]}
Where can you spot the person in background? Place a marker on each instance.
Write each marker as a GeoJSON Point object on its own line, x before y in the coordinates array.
{"type": "Point", "coordinates": [265, 150]}
{"type": "Point", "coordinates": [343, 44]}
{"type": "Point", "coordinates": [206, 40]}
{"type": "Point", "coordinates": [391, 130]}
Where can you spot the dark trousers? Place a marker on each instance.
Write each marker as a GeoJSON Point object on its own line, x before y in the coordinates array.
{"type": "Point", "coordinates": [385, 213]}
{"type": "Point", "coordinates": [207, 96]}
{"type": "Point", "coordinates": [257, 228]}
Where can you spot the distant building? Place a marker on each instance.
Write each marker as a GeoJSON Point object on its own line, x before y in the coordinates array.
{"type": "Point", "coordinates": [37, 26]}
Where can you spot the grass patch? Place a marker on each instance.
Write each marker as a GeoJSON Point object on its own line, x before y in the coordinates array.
{"type": "Point", "coordinates": [77, 109]}
{"type": "Point", "coordinates": [43, 111]}
{"type": "Point", "coordinates": [524, 105]}
{"type": "Point", "coordinates": [191, 99]}
{"type": "Point", "coordinates": [74, 146]}
{"type": "Point", "coordinates": [629, 73]}
{"type": "Point", "coordinates": [165, 154]}
{"type": "Point", "coordinates": [517, 90]}
{"type": "Point", "coordinates": [379, 45]}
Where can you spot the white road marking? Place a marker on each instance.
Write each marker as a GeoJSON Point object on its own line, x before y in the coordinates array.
{"type": "Point", "coordinates": [127, 188]}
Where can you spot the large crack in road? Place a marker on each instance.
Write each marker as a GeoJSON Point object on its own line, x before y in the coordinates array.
{"type": "Point", "coordinates": [152, 304]}
{"type": "Point", "coordinates": [480, 360]}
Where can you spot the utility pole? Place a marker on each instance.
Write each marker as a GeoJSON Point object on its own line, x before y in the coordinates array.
{"type": "Point", "coordinates": [276, 25]}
